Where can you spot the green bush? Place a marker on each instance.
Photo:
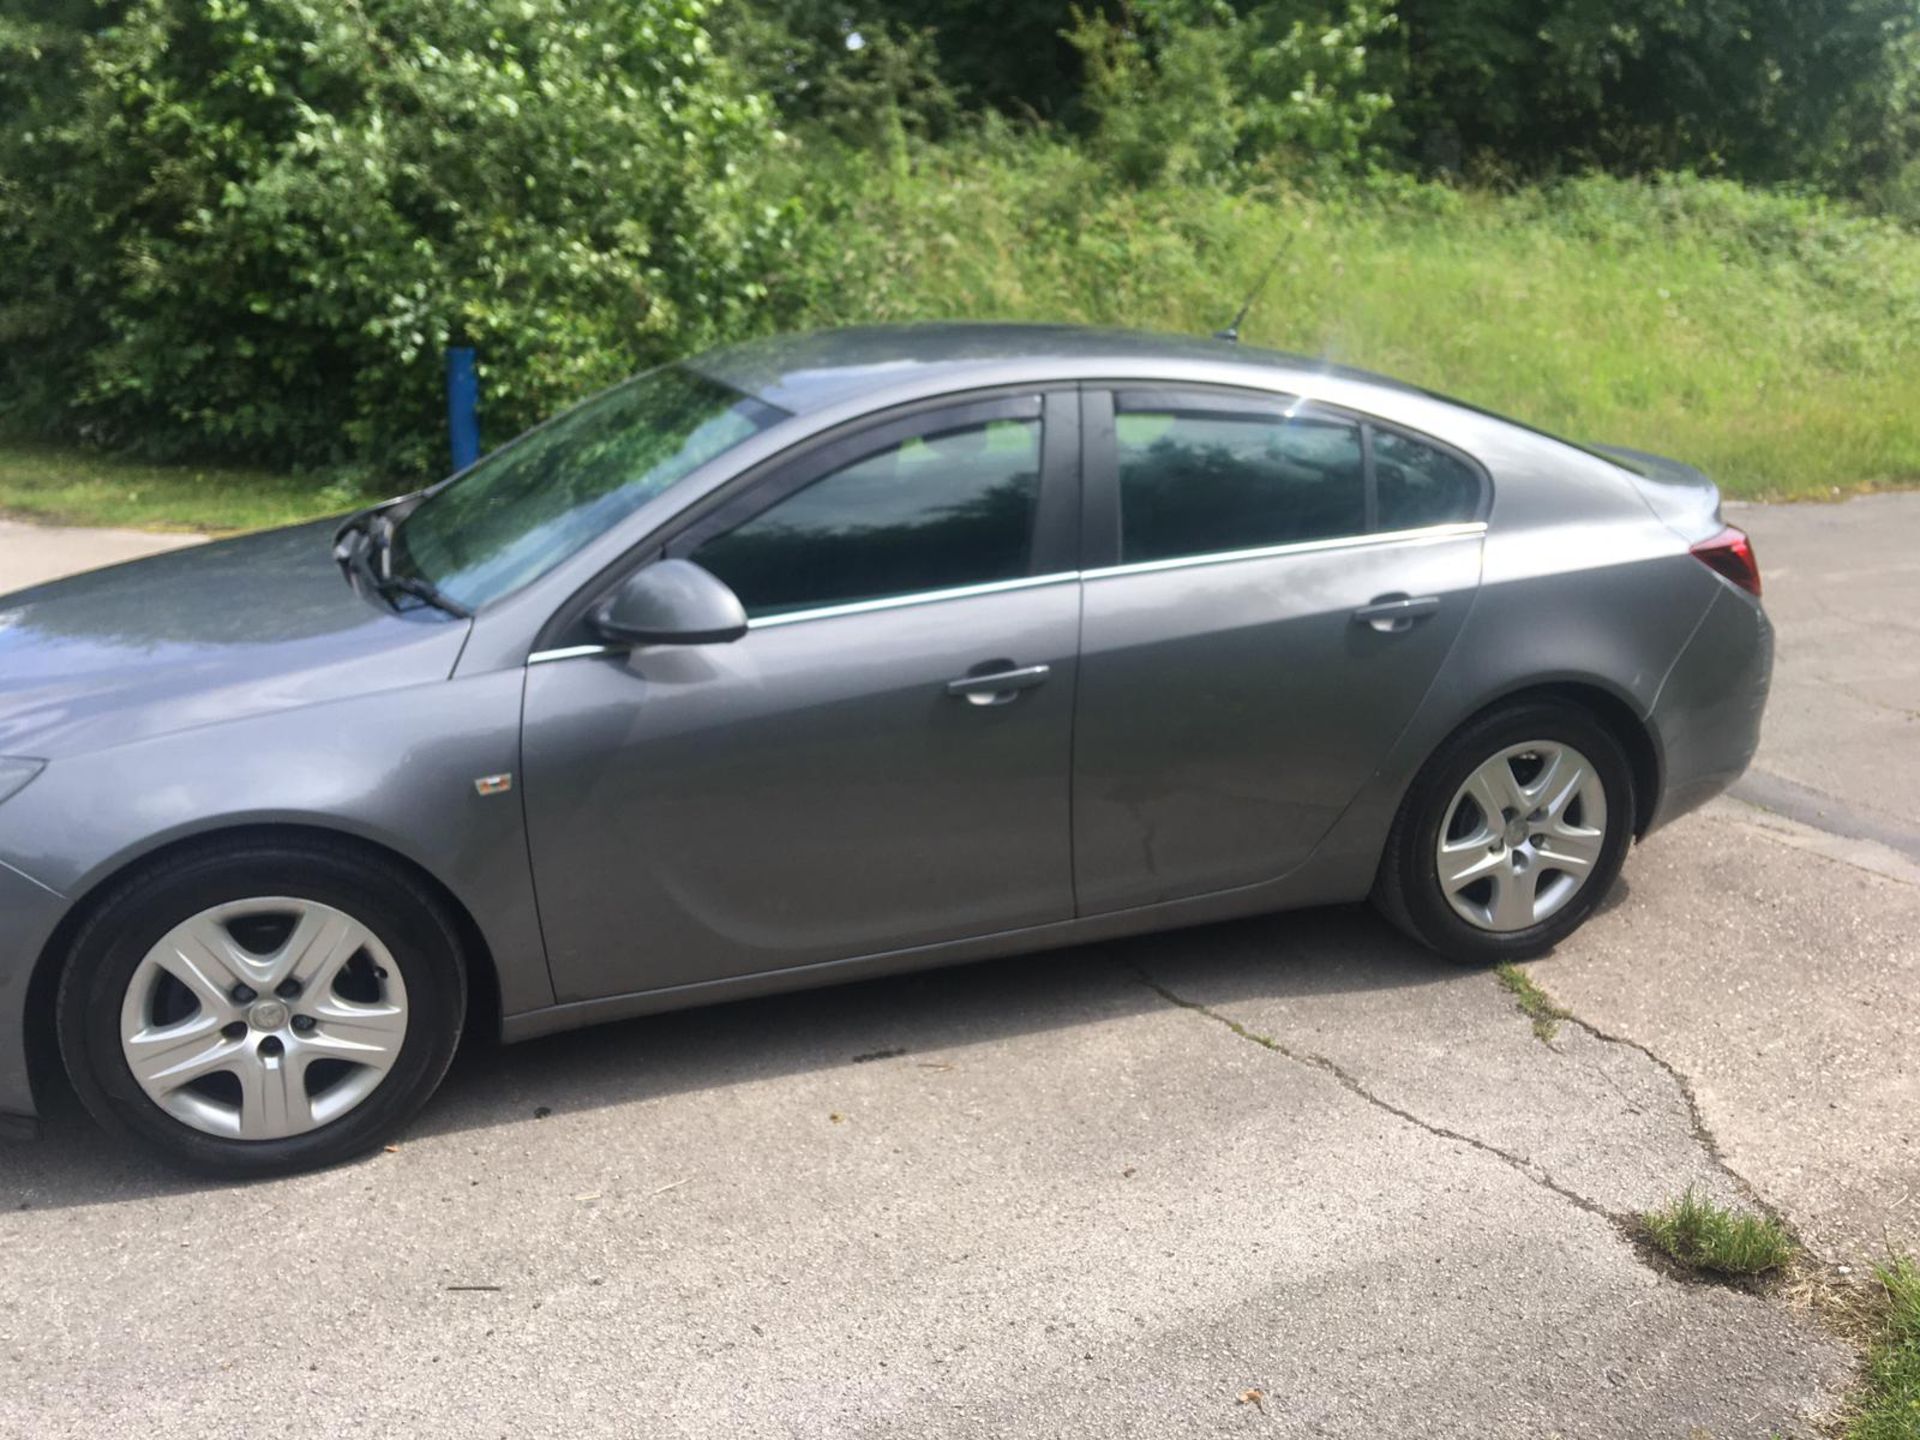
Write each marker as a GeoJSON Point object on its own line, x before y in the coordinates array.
{"type": "Point", "coordinates": [250, 227]}
{"type": "Point", "coordinates": [1193, 89]}
{"type": "Point", "coordinates": [247, 229]}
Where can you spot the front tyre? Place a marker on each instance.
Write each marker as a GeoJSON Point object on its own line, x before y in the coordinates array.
{"type": "Point", "coordinates": [1510, 836]}
{"type": "Point", "coordinates": [259, 1007]}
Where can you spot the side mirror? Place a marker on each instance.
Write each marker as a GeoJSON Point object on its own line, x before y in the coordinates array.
{"type": "Point", "coordinates": [670, 602]}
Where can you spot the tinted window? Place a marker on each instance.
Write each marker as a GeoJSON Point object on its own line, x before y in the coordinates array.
{"type": "Point", "coordinates": [1195, 484]}
{"type": "Point", "coordinates": [935, 512]}
{"type": "Point", "coordinates": [530, 505]}
{"type": "Point", "coordinates": [1420, 485]}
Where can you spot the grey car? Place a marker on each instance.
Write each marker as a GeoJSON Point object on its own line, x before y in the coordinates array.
{"type": "Point", "coordinates": [829, 657]}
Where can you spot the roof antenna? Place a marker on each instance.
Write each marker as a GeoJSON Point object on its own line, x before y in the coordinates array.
{"type": "Point", "coordinates": [1232, 332]}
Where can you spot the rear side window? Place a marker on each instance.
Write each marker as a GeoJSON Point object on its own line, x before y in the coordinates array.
{"type": "Point", "coordinates": [1421, 485]}
{"type": "Point", "coordinates": [932, 513]}
{"type": "Point", "coordinates": [1198, 483]}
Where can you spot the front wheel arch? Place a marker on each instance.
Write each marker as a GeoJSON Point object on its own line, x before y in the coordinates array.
{"type": "Point", "coordinates": [44, 1068]}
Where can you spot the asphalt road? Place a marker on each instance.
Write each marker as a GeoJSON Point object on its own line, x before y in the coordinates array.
{"type": "Point", "coordinates": [1289, 1176]}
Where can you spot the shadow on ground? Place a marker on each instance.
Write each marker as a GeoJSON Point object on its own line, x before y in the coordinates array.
{"type": "Point", "coordinates": [1292, 957]}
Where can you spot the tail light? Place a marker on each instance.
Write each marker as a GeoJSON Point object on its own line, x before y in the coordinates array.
{"type": "Point", "coordinates": [1731, 553]}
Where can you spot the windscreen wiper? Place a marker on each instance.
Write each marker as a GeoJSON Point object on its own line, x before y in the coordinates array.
{"type": "Point", "coordinates": [425, 590]}
{"type": "Point", "coordinates": [365, 549]}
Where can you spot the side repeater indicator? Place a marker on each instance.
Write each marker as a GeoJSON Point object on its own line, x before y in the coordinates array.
{"type": "Point", "coordinates": [493, 784]}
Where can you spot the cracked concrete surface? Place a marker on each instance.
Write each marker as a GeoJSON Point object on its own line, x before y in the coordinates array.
{"type": "Point", "coordinates": [1099, 1193]}
{"type": "Point", "coordinates": [1785, 980]}
{"type": "Point", "coordinates": [1070, 1207]}
{"type": "Point", "coordinates": [1771, 950]}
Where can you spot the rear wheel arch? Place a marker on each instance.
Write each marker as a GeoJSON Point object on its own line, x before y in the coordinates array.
{"type": "Point", "coordinates": [42, 1045]}
{"type": "Point", "coordinates": [1613, 711]}
{"type": "Point", "coordinates": [1531, 723]}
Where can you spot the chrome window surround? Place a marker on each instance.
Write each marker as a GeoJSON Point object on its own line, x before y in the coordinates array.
{"type": "Point", "coordinates": [1426, 534]}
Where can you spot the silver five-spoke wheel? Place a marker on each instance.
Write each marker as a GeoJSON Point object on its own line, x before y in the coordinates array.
{"type": "Point", "coordinates": [263, 1018]}
{"type": "Point", "coordinates": [1522, 835]}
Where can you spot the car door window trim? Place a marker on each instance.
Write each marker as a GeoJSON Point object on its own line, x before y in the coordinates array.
{"type": "Point", "coordinates": [914, 597]}
{"type": "Point", "coordinates": [1426, 534]}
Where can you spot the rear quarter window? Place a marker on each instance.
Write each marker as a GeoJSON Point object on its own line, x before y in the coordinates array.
{"type": "Point", "coordinates": [1420, 484]}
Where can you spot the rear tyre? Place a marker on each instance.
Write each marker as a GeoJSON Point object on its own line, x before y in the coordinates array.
{"type": "Point", "coordinates": [262, 1007]}
{"type": "Point", "coordinates": [1510, 836]}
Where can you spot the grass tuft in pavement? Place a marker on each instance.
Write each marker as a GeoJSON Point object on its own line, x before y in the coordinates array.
{"type": "Point", "coordinates": [1534, 1003]}
{"type": "Point", "coordinates": [1705, 1236]}
{"type": "Point", "coordinates": [1889, 1407]}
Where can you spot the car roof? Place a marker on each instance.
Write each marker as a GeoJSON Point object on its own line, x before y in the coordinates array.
{"type": "Point", "coordinates": [818, 370]}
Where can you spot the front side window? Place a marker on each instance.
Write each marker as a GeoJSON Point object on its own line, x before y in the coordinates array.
{"type": "Point", "coordinates": [1199, 483]}
{"type": "Point", "coordinates": [527, 507]}
{"type": "Point", "coordinates": [935, 512]}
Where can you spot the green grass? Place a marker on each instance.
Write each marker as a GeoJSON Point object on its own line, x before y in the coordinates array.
{"type": "Point", "coordinates": [78, 487]}
{"type": "Point", "coordinates": [1889, 1406]}
{"type": "Point", "coordinates": [1772, 340]}
{"type": "Point", "coordinates": [1533, 1002]}
{"type": "Point", "coordinates": [1705, 1236]}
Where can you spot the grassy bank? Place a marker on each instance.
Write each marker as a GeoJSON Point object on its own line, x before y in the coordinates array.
{"type": "Point", "coordinates": [65, 486]}
{"type": "Point", "coordinates": [1772, 340]}
{"type": "Point", "coordinates": [1769, 339]}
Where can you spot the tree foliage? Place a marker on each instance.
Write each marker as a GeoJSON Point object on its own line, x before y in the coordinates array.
{"type": "Point", "coordinates": [1814, 91]}
{"type": "Point", "coordinates": [1199, 87]}
{"type": "Point", "coordinates": [1766, 90]}
{"type": "Point", "coordinates": [251, 226]}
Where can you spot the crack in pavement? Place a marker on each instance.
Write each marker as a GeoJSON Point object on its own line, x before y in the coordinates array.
{"type": "Point", "coordinates": [1627, 1223]}
{"type": "Point", "coordinates": [1696, 1122]}
{"type": "Point", "coordinates": [1533, 1171]}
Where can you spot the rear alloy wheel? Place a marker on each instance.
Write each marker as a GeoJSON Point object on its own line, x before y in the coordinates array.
{"type": "Point", "coordinates": [1522, 836]}
{"type": "Point", "coordinates": [258, 1008]}
{"type": "Point", "coordinates": [1510, 836]}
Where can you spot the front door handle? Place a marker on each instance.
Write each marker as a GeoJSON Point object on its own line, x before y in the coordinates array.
{"type": "Point", "coordinates": [997, 687]}
{"type": "Point", "coordinates": [1392, 614]}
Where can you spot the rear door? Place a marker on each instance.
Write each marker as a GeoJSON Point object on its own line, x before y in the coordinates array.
{"type": "Point", "coordinates": [1269, 590]}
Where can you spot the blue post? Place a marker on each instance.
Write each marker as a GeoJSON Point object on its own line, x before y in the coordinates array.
{"type": "Point", "coordinates": [463, 406]}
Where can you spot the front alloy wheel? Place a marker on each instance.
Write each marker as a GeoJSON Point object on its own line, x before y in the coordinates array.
{"type": "Point", "coordinates": [264, 1018]}
{"type": "Point", "coordinates": [263, 1004]}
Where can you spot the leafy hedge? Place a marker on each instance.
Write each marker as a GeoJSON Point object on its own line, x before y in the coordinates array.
{"type": "Point", "coordinates": [249, 227]}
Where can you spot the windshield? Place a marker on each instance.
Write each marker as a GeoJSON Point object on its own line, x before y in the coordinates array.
{"type": "Point", "coordinates": [521, 511]}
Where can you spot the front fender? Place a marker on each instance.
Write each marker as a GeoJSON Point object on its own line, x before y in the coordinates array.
{"type": "Point", "coordinates": [29, 912]}
{"type": "Point", "coordinates": [396, 769]}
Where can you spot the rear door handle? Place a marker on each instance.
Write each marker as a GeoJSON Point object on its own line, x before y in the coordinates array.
{"type": "Point", "coordinates": [997, 687]}
{"type": "Point", "coordinates": [1392, 614]}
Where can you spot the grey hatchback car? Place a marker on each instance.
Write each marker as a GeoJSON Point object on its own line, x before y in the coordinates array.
{"type": "Point", "coordinates": [828, 657]}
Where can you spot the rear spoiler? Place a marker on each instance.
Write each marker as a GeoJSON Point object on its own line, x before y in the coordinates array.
{"type": "Point", "coordinates": [1681, 496]}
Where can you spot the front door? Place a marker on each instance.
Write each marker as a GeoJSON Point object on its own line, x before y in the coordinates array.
{"type": "Point", "coordinates": [855, 775]}
{"type": "Point", "coordinates": [1277, 588]}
